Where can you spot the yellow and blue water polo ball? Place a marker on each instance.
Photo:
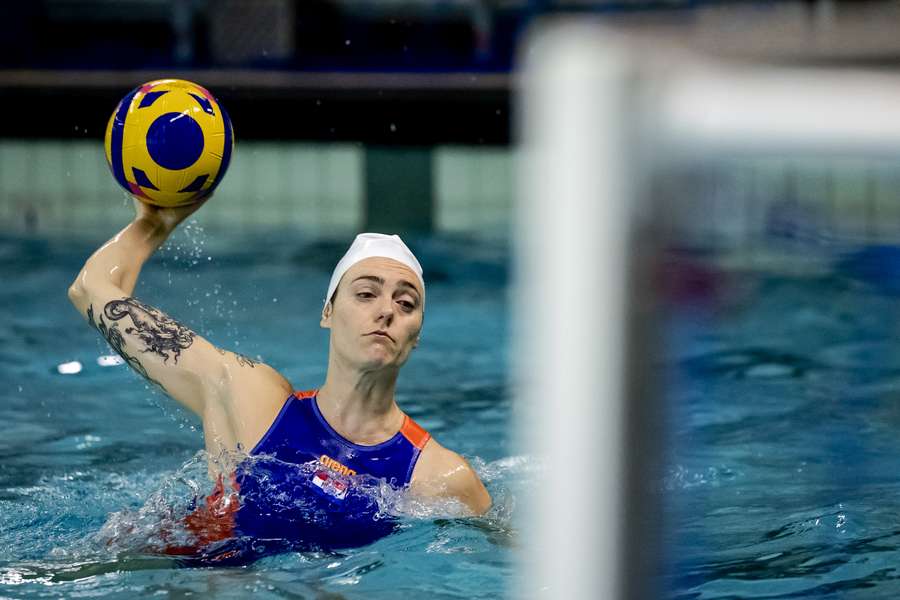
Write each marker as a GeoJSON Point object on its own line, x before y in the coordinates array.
{"type": "Point", "coordinates": [169, 142]}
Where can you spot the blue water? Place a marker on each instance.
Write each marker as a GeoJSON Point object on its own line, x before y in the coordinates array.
{"type": "Point", "coordinates": [783, 479]}
{"type": "Point", "coordinates": [94, 463]}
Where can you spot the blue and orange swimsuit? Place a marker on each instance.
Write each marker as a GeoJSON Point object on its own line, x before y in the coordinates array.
{"type": "Point", "coordinates": [305, 488]}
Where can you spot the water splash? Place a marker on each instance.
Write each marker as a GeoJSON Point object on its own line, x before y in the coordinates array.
{"type": "Point", "coordinates": [149, 528]}
{"type": "Point", "coordinates": [683, 478]}
{"type": "Point", "coordinates": [829, 519]}
{"type": "Point", "coordinates": [159, 523]}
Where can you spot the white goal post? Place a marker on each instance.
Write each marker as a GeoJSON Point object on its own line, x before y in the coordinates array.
{"type": "Point", "coordinates": [599, 115]}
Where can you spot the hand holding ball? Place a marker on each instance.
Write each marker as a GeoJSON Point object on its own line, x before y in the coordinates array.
{"type": "Point", "coordinates": [169, 142]}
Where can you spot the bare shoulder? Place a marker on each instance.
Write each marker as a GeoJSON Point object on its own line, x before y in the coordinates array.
{"type": "Point", "coordinates": [441, 472]}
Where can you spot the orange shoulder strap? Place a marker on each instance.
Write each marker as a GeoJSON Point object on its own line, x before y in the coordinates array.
{"type": "Point", "coordinates": [412, 431]}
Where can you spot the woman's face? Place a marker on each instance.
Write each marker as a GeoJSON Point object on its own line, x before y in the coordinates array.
{"type": "Point", "coordinates": [376, 314]}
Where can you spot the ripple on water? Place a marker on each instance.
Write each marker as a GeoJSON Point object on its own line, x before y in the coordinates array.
{"type": "Point", "coordinates": [802, 523]}
{"type": "Point", "coordinates": [867, 355]}
{"type": "Point", "coordinates": [814, 552]}
{"type": "Point", "coordinates": [750, 363]}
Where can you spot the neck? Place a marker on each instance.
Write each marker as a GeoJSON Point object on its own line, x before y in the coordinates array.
{"type": "Point", "coordinates": [360, 405]}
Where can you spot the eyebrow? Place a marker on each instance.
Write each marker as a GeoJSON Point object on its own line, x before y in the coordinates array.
{"type": "Point", "coordinates": [379, 280]}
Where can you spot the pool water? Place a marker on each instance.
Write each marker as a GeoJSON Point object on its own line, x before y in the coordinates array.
{"type": "Point", "coordinates": [782, 399]}
{"type": "Point", "coordinates": [784, 406]}
{"type": "Point", "coordinates": [95, 462]}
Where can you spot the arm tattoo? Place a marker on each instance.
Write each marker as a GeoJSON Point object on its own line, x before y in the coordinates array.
{"type": "Point", "coordinates": [243, 361]}
{"type": "Point", "coordinates": [159, 333]}
{"type": "Point", "coordinates": [116, 341]}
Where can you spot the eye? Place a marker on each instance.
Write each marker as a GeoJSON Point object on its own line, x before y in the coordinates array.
{"type": "Point", "coordinates": [364, 295]}
{"type": "Point", "coordinates": [406, 305]}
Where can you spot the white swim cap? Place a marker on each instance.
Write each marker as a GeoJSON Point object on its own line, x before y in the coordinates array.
{"type": "Point", "coordinates": [367, 245]}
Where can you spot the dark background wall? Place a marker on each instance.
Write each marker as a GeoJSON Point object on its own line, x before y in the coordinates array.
{"type": "Point", "coordinates": [414, 72]}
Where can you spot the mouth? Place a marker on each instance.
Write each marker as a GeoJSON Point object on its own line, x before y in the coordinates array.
{"type": "Point", "coordinates": [381, 333]}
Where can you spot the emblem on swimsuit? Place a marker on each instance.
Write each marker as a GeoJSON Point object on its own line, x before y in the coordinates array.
{"type": "Point", "coordinates": [331, 477]}
{"type": "Point", "coordinates": [330, 484]}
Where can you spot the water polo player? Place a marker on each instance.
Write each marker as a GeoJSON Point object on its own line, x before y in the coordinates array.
{"type": "Point", "coordinates": [312, 454]}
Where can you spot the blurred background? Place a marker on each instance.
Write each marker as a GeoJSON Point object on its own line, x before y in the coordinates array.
{"type": "Point", "coordinates": [335, 103]}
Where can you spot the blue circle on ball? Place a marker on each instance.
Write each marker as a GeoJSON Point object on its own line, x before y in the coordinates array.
{"type": "Point", "coordinates": [175, 141]}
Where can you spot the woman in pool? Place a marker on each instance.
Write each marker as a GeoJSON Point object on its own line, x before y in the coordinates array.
{"type": "Point", "coordinates": [324, 441]}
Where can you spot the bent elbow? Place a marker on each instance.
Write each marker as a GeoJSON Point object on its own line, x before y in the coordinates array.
{"type": "Point", "coordinates": [78, 295]}
{"type": "Point", "coordinates": [75, 292]}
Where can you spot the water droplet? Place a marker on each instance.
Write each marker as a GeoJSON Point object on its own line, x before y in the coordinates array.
{"type": "Point", "coordinates": [393, 127]}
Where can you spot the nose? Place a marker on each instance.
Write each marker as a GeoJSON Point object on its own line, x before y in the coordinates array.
{"type": "Point", "coordinates": [386, 311]}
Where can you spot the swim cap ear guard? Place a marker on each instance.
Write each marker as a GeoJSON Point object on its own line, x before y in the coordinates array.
{"type": "Point", "coordinates": [369, 245]}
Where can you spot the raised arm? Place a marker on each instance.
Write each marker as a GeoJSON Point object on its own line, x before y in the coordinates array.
{"type": "Point", "coordinates": [212, 383]}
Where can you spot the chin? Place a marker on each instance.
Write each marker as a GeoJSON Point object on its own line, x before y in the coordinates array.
{"type": "Point", "coordinates": [376, 360]}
